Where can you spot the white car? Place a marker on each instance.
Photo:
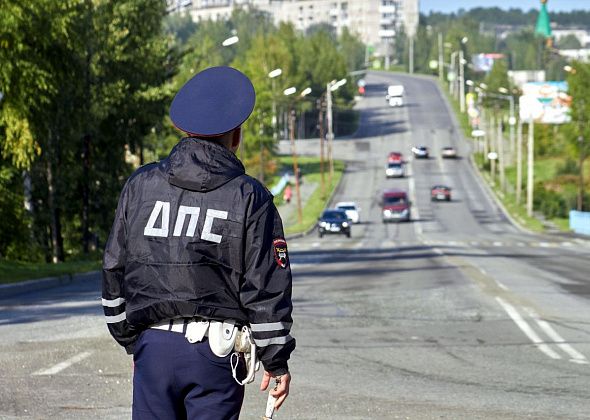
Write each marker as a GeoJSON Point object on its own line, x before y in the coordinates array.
{"type": "Point", "coordinates": [394, 170]}
{"type": "Point", "coordinates": [352, 210]}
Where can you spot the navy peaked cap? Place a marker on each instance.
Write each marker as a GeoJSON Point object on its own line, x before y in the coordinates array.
{"type": "Point", "coordinates": [213, 102]}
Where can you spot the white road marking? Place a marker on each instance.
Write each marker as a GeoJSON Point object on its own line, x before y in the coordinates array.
{"type": "Point", "coordinates": [63, 365]}
{"type": "Point", "coordinates": [315, 244]}
{"type": "Point", "coordinates": [497, 243]}
{"type": "Point", "coordinates": [415, 214]}
{"type": "Point", "coordinates": [566, 244]}
{"type": "Point", "coordinates": [575, 355]}
{"type": "Point", "coordinates": [527, 330]}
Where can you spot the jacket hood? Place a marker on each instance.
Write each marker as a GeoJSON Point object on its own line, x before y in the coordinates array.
{"type": "Point", "coordinates": [201, 165]}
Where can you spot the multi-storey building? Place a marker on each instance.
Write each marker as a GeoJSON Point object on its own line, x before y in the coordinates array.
{"type": "Point", "coordinates": [377, 22]}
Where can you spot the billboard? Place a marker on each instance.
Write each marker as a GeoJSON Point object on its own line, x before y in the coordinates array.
{"type": "Point", "coordinates": [545, 102]}
{"type": "Point", "coordinates": [484, 62]}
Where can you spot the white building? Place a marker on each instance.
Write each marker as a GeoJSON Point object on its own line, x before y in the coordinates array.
{"type": "Point", "coordinates": [376, 22]}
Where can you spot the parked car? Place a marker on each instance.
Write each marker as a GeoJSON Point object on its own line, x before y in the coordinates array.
{"type": "Point", "coordinates": [395, 157]}
{"type": "Point", "coordinates": [394, 170]}
{"type": "Point", "coordinates": [440, 193]}
{"type": "Point", "coordinates": [449, 152]}
{"type": "Point", "coordinates": [395, 206]}
{"type": "Point", "coordinates": [352, 210]}
{"type": "Point", "coordinates": [334, 221]}
{"type": "Point", "coordinates": [420, 152]}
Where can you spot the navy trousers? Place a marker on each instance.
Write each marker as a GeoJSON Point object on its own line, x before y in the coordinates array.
{"type": "Point", "coordinates": [174, 379]}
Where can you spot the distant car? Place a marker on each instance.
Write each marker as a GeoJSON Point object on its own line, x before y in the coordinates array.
{"type": "Point", "coordinates": [449, 152]}
{"type": "Point", "coordinates": [394, 170]}
{"type": "Point", "coordinates": [395, 157]}
{"type": "Point", "coordinates": [395, 206]}
{"type": "Point", "coordinates": [420, 152]}
{"type": "Point", "coordinates": [334, 221]}
{"type": "Point", "coordinates": [352, 210]}
{"type": "Point", "coordinates": [440, 193]}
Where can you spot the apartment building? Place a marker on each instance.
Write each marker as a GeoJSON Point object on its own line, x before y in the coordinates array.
{"type": "Point", "coordinates": [376, 22]}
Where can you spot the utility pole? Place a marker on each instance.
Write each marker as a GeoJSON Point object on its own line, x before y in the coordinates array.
{"type": "Point", "coordinates": [530, 168]}
{"type": "Point", "coordinates": [411, 69]}
{"type": "Point", "coordinates": [441, 70]}
{"type": "Point", "coordinates": [501, 156]}
{"type": "Point", "coordinates": [295, 167]}
{"type": "Point", "coordinates": [581, 184]}
{"type": "Point", "coordinates": [321, 127]}
{"type": "Point", "coordinates": [519, 162]}
{"type": "Point", "coordinates": [462, 80]}
{"type": "Point", "coordinates": [330, 129]}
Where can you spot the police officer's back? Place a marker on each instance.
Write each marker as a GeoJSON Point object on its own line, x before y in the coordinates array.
{"type": "Point", "coordinates": [196, 240]}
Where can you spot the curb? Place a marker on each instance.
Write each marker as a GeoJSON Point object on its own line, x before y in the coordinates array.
{"type": "Point", "coordinates": [27, 286]}
{"type": "Point", "coordinates": [337, 189]}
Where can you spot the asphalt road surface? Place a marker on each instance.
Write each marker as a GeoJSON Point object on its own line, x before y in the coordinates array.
{"type": "Point", "coordinates": [456, 314]}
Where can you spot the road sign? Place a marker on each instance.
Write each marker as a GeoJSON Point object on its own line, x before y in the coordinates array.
{"type": "Point", "coordinates": [478, 133]}
{"type": "Point", "coordinates": [492, 156]}
{"type": "Point", "coordinates": [451, 76]}
{"type": "Point", "coordinates": [361, 83]}
{"type": "Point", "coordinates": [433, 64]}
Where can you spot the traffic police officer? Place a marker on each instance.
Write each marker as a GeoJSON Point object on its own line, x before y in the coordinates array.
{"type": "Point", "coordinates": [196, 239]}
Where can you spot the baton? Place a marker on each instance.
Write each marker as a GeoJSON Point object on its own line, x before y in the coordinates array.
{"type": "Point", "coordinates": [270, 407]}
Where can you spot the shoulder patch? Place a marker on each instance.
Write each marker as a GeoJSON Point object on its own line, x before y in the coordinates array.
{"type": "Point", "coordinates": [279, 246]}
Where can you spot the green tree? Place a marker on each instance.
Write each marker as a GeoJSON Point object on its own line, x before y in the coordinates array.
{"type": "Point", "coordinates": [569, 42]}
{"type": "Point", "coordinates": [579, 129]}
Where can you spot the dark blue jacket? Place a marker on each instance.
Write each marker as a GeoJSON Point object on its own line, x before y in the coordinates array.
{"type": "Point", "coordinates": [195, 236]}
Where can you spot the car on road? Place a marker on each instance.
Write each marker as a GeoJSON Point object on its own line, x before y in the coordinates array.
{"type": "Point", "coordinates": [352, 210]}
{"type": "Point", "coordinates": [440, 193]}
{"type": "Point", "coordinates": [394, 170]}
{"type": "Point", "coordinates": [395, 157]}
{"type": "Point", "coordinates": [420, 152]}
{"type": "Point", "coordinates": [449, 152]}
{"type": "Point", "coordinates": [395, 206]}
{"type": "Point", "coordinates": [334, 221]}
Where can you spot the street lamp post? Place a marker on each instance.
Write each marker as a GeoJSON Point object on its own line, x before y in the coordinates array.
{"type": "Point", "coordinates": [580, 204]}
{"type": "Point", "coordinates": [530, 168]}
{"type": "Point", "coordinates": [273, 74]}
{"type": "Point", "coordinates": [462, 63]}
{"type": "Point", "coordinates": [331, 87]}
{"type": "Point", "coordinates": [288, 92]}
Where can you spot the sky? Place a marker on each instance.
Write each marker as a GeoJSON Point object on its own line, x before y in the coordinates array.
{"type": "Point", "coordinates": [454, 5]}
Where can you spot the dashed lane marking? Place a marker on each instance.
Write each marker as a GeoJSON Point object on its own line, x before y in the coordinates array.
{"type": "Point", "coordinates": [63, 365]}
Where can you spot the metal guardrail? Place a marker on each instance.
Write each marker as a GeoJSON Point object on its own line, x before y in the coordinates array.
{"type": "Point", "coordinates": [281, 184]}
{"type": "Point", "coordinates": [580, 222]}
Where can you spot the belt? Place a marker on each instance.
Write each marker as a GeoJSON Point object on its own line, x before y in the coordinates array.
{"type": "Point", "coordinates": [177, 325]}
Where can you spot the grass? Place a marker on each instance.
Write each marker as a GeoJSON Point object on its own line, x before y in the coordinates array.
{"type": "Point", "coordinates": [310, 168]}
{"type": "Point", "coordinates": [16, 271]}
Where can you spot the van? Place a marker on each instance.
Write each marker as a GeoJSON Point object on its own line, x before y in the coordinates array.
{"type": "Point", "coordinates": [395, 206]}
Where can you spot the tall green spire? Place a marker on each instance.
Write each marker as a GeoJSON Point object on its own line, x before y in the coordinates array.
{"type": "Point", "coordinates": [543, 27]}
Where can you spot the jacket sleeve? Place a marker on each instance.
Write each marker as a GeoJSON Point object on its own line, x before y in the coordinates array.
{"type": "Point", "coordinates": [266, 289]}
{"type": "Point", "coordinates": [113, 273]}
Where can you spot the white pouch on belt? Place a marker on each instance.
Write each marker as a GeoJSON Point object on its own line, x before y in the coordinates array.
{"type": "Point", "coordinates": [196, 331]}
{"type": "Point", "coordinates": [222, 337]}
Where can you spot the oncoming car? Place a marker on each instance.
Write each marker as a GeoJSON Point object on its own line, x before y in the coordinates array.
{"type": "Point", "coordinates": [440, 193]}
{"type": "Point", "coordinates": [395, 206]}
{"type": "Point", "coordinates": [351, 209]}
{"type": "Point", "coordinates": [394, 170]}
{"type": "Point", "coordinates": [420, 152]}
{"type": "Point", "coordinates": [449, 152]}
{"type": "Point", "coordinates": [334, 221]}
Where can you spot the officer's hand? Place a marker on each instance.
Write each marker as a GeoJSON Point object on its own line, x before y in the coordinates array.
{"type": "Point", "coordinates": [281, 386]}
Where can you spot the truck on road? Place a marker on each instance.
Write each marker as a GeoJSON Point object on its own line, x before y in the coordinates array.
{"type": "Point", "coordinates": [395, 95]}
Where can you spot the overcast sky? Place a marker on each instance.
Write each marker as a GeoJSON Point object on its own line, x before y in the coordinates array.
{"type": "Point", "coordinates": [453, 5]}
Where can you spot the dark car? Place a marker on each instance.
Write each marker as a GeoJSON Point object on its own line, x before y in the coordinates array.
{"type": "Point", "coordinates": [395, 206]}
{"type": "Point", "coordinates": [420, 152]}
{"type": "Point", "coordinates": [334, 221]}
{"type": "Point", "coordinates": [440, 193]}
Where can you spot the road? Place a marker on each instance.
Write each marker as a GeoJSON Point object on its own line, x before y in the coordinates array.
{"type": "Point", "coordinates": [456, 314]}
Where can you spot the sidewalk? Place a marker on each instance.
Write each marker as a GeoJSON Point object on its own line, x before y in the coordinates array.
{"type": "Point", "coordinates": [288, 211]}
